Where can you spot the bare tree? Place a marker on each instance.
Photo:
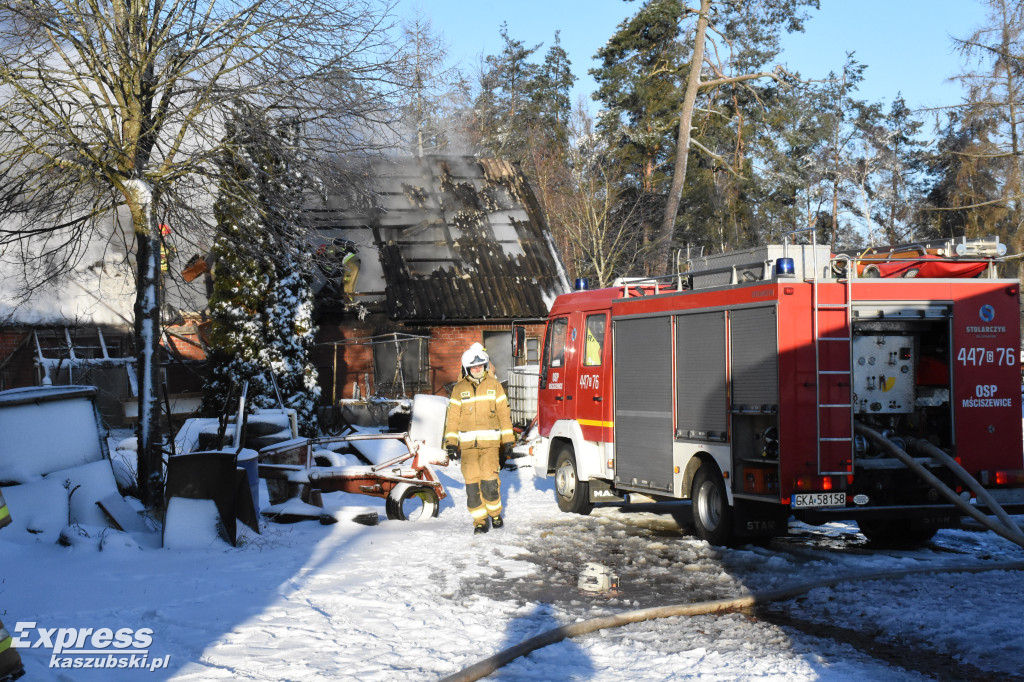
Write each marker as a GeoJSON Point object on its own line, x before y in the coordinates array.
{"type": "Point", "coordinates": [865, 203]}
{"type": "Point", "coordinates": [592, 219]}
{"type": "Point", "coordinates": [994, 79]}
{"type": "Point", "coordinates": [839, 106]}
{"type": "Point", "coordinates": [437, 93]}
{"type": "Point", "coordinates": [119, 106]}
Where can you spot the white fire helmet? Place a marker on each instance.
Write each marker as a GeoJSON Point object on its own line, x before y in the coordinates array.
{"type": "Point", "coordinates": [476, 355]}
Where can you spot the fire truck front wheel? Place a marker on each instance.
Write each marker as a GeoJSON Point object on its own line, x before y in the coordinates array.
{"type": "Point", "coordinates": [712, 515]}
{"type": "Point", "coordinates": [572, 494]}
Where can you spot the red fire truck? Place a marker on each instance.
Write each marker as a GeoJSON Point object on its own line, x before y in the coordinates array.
{"type": "Point", "coordinates": [745, 384]}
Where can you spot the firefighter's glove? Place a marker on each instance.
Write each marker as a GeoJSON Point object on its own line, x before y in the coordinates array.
{"type": "Point", "coordinates": [453, 451]}
{"type": "Point", "coordinates": [504, 453]}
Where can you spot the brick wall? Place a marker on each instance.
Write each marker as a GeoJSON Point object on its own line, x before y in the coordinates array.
{"type": "Point", "coordinates": [183, 342]}
{"type": "Point", "coordinates": [16, 359]}
{"type": "Point", "coordinates": [339, 367]}
{"type": "Point", "coordinates": [447, 344]}
{"type": "Point", "coordinates": [10, 340]}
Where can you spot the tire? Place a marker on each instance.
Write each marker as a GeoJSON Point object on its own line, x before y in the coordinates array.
{"type": "Point", "coordinates": [894, 533]}
{"type": "Point", "coordinates": [572, 494]}
{"type": "Point", "coordinates": [408, 502]}
{"type": "Point", "coordinates": [712, 515]}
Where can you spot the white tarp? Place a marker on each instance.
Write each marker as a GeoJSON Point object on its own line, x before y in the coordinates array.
{"type": "Point", "coordinates": [46, 429]}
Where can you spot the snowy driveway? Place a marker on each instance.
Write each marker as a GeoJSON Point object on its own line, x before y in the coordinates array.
{"type": "Point", "coordinates": [404, 601]}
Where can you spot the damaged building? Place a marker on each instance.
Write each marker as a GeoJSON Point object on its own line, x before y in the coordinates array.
{"type": "Point", "coordinates": [452, 250]}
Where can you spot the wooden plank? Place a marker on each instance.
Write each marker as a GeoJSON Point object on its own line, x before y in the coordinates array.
{"type": "Point", "coordinates": [124, 517]}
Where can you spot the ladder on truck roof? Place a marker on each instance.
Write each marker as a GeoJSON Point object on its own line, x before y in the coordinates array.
{"type": "Point", "coordinates": [832, 331]}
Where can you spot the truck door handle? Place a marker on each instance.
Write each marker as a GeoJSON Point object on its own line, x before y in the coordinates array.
{"type": "Point", "coordinates": [558, 397]}
{"type": "Point", "coordinates": [568, 397]}
{"type": "Point", "coordinates": [598, 398]}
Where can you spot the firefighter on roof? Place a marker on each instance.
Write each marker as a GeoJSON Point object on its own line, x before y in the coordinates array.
{"type": "Point", "coordinates": [342, 269]}
{"type": "Point", "coordinates": [167, 250]}
{"type": "Point", "coordinates": [477, 427]}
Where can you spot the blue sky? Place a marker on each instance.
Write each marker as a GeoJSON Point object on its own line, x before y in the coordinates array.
{"type": "Point", "coordinates": [905, 43]}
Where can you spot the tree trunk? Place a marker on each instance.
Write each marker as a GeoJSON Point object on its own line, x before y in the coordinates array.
{"type": "Point", "coordinates": [147, 344]}
{"type": "Point", "coordinates": [663, 241]}
{"type": "Point", "coordinates": [835, 201]}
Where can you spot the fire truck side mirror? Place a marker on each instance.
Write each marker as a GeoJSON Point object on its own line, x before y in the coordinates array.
{"type": "Point", "coordinates": [519, 342]}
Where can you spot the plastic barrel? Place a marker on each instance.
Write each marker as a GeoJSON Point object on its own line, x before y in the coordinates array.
{"type": "Point", "coordinates": [248, 461]}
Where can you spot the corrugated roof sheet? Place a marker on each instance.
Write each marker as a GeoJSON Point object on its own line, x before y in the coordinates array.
{"type": "Point", "coordinates": [459, 238]}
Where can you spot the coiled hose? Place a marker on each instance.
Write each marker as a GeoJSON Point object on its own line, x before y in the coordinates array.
{"type": "Point", "coordinates": [1006, 529]}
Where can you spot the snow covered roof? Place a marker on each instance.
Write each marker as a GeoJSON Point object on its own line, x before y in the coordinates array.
{"type": "Point", "coordinates": [41, 394]}
{"type": "Point", "coordinates": [96, 286]}
{"type": "Point", "coordinates": [100, 294]}
{"type": "Point", "coordinates": [458, 238]}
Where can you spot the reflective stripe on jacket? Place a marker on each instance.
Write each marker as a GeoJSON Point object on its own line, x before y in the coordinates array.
{"type": "Point", "coordinates": [478, 414]}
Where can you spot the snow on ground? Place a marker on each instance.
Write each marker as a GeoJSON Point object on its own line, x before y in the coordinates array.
{"type": "Point", "coordinates": [415, 601]}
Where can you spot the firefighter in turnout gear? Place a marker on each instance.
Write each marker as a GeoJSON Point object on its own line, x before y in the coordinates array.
{"type": "Point", "coordinates": [11, 667]}
{"type": "Point", "coordinates": [344, 269]}
{"type": "Point", "coordinates": [477, 428]}
{"type": "Point", "coordinates": [5, 514]}
{"type": "Point", "coordinates": [10, 662]}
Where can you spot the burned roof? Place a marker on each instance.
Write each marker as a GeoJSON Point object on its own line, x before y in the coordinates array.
{"type": "Point", "coordinates": [458, 239]}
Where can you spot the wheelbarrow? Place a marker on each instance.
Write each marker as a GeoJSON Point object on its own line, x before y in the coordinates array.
{"type": "Point", "coordinates": [408, 482]}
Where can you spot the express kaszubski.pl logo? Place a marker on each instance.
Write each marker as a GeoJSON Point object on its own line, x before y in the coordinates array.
{"type": "Point", "coordinates": [91, 647]}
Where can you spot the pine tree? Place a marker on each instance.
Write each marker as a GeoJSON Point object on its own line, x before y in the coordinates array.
{"type": "Point", "coordinates": [639, 87]}
{"type": "Point", "coordinates": [809, 144]}
{"type": "Point", "coordinates": [261, 305]}
{"type": "Point", "coordinates": [839, 109]}
{"type": "Point", "coordinates": [641, 71]}
{"type": "Point", "coordinates": [503, 109]}
{"type": "Point", "coordinates": [291, 329]}
{"type": "Point", "coordinates": [549, 91]}
{"type": "Point", "coordinates": [900, 183]}
{"type": "Point", "coordinates": [242, 284]}
{"type": "Point", "coordinates": [749, 35]}
{"type": "Point", "coordinates": [992, 114]}
{"type": "Point", "coordinates": [523, 105]}
{"type": "Point", "coordinates": [965, 197]}
{"type": "Point", "coordinates": [793, 188]}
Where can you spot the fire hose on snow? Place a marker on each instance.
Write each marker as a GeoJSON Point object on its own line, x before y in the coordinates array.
{"type": "Point", "coordinates": [489, 665]}
{"type": "Point", "coordinates": [1005, 527]}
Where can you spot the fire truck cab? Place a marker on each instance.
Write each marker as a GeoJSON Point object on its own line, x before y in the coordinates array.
{"type": "Point", "coordinates": [750, 385]}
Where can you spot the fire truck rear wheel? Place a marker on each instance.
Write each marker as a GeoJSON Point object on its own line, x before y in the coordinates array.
{"type": "Point", "coordinates": [712, 515]}
{"type": "Point", "coordinates": [894, 533]}
{"type": "Point", "coordinates": [408, 502]}
{"type": "Point", "coordinates": [572, 494]}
